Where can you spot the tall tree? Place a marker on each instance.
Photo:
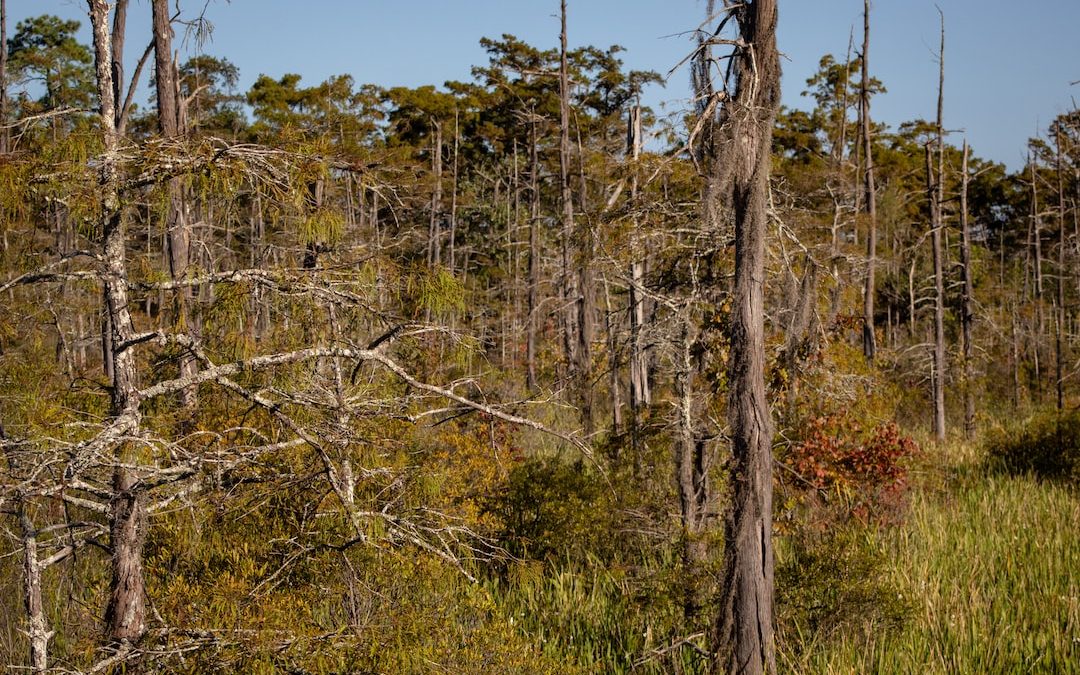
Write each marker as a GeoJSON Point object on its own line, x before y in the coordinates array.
{"type": "Point", "coordinates": [743, 638]}
{"type": "Point", "coordinates": [125, 615]}
{"type": "Point", "coordinates": [577, 287]}
{"type": "Point", "coordinates": [936, 187]}
{"type": "Point", "coordinates": [5, 134]}
{"type": "Point", "coordinates": [177, 227]}
{"type": "Point", "coordinates": [869, 338]}
{"type": "Point", "coordinates": [967, 300]}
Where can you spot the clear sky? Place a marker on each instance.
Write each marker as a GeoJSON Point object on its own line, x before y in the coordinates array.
{"type": "Point", "coordinates": [1009, 64]}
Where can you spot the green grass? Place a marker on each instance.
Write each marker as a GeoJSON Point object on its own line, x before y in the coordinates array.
{"type": "Point", "coordinates": [991, 566]}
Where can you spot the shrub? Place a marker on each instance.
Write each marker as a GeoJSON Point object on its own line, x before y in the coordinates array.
{"type": "Point", "coordinates": [865, 468]}
{"type": "Point", "coordinates": [552, 508]}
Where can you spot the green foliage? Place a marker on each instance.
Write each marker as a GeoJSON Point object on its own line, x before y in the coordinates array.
{"type": "Point", "coordinates": [551, 508]}
{"type": "Point", "coordinates": [1046, 445]}
{"type": "Point", "coordinates": [44, 49]}
{"type": "Point", "coordinates": [988, 566]}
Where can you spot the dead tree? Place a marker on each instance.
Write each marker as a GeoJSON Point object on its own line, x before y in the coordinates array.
{"type": "Point", "coordinates": [577, 288]}
{"type": "Point", "coordinates": [936, 189]}
{"type": "Point", "coordinates": [1059, 378]}
{"type": "Point", "coordinates": [177, 228]}
{"type": "Point", "coordinates": [869, 338]}
{"type": "Point", "coordinates": [967, 301]}
{"type": "Point", "coordinates": [5, 133]}
{"type": "Point", "coordinates": [125, 615]}
{"type": "Point", "coordinates": [640, 395]}
{"type": "Point", "coordinates": [743, 639]}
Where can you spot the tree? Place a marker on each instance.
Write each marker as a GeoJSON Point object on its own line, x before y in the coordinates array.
{"type": "Point", "coordinates": [743, 633]}
{"type": "Point", "coordinates": [44, 49]}
{"type": "Point", "coordinates": [870, 290]}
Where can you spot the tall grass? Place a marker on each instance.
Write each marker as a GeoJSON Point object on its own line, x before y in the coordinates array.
{"type": "Point", "coordinates": [991, 566]}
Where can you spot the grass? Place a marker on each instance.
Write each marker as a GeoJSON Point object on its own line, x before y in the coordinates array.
{"type": "Point", "coordinates": [991, 566]}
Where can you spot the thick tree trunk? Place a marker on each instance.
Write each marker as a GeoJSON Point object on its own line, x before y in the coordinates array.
{"type": "Point", "coordinates": [869, 337]}
{"type": "Point", "coordinates": [744, 641]}
{"type": "Point", "coordinates": [126, 610]}
{"type": "Point", "coordinates": [967, 300]}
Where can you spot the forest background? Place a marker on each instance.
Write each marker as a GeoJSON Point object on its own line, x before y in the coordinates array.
{"type": "Point", "coordinates": [310, 375]}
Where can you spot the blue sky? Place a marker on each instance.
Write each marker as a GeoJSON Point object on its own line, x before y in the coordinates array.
{"type": "Point", "coordinates": [993, 92]}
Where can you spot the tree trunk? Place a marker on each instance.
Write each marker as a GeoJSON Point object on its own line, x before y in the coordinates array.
{"type": "Point", "coordinates": [691, 474]}
{"type": "Point", "coordinates": [435, 226]}
{"type": "Point", "coordinates": [534, 256]}
{"type": "Point", "coordinates": [125, 614]}
{"type": "Point", "coordinates": [1059, 378]}
{"type": "Point", "coordinates": [967, 312]}
{"type": "Point", "coordinates": [37, 630]}
{"type": "Point", "coordinates": [869, 338]}
{"type": "Point", "coordinates": [640, 396]}
{"type": "Point", "coordinates": [743, 641]}
{"type": "Point", "coordinates": [119, 29]}
{"type": "Point", "coordinates": [937, 188]}
{"type": "Point", "coordinates": [938, 375]}
{"type": "Point", "coordinates": [5, 133]}
{"type": "Point", "coordinates": [577, 336]}
{"type": "Point", "coordinates": [176, 221]}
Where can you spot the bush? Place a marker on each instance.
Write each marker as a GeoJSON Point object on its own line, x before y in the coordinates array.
{"type": "Point", "coordinates": [553, 509]}
{"type": "Point", "coordinates": [864, 470]}
{"type": "Point", "coordinates": [1046, 445]}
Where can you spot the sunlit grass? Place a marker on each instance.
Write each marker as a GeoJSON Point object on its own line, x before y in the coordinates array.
{"type": "Point", "coordinates": [991, 566]}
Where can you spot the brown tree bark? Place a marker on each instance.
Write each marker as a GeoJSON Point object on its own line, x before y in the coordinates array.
{"type": "Point", "coordinates": [178, 230]}
{"type": "Point", "coordinates": [869, 337]}
{"type": "Point", "coordinates": [744, 634]}
{"type": "Point", "coordinates": [119, 29]}
{"type": "Point", "coordinates": [5, 133]}
{"type": "Point", "coordinates": [125, 614]}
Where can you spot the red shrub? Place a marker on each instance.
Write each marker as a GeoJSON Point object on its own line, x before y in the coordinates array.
{"type": "Point", "coordinates": [864, 468]}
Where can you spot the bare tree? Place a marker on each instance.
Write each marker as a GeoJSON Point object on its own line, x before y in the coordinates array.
{"type": "Point", "coordinates": [5, 134]}
{"type": "Point", "coordinates": [125, 615]}
{"type": "Point", "coordinates": [869, 338]}
{"type": "Point", "coordinates": [640, 395]}
{"type": "Point", "coordinates": [177, 227]}
{"type": "Point", "coordinates": [967, 300]}
{"type": "Point", "coordinates": [936, 189]}
{"type": "Point", "coordinates": [577, 288]}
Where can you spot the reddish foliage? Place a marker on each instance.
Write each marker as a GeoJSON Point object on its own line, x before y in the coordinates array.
{"type": "Point", "coordinates": [866, 467]}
